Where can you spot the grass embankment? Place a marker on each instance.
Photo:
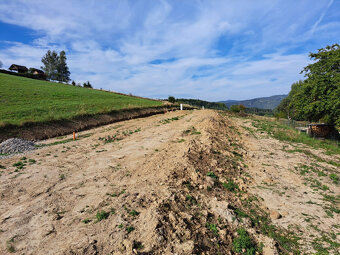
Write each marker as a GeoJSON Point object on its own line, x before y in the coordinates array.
{"type": "Point", "coordinates": [24, 100]}
{"type": "Point", "coordinates": [285, 133]}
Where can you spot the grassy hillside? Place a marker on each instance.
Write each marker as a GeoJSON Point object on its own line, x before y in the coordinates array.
{"type": "Point", "coordinates": [25, 100]}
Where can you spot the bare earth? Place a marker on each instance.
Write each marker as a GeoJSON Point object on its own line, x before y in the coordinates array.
{"type": "Point", "coordinates": [151, 179]}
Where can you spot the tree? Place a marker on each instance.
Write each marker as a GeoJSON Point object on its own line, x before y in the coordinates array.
{"type": "Point", "coordinates": [318, 97]}
{"type": "Point", "coordinates": [51, 61]}
{"type": "Point", "coordinates": [62, 68]}
{"type": "Point", "coordinates": [235, 108]}
{"type": "Point", "coordinates": [55, 66]}
{"type": "Point", "coordinates": [73, 83]}
{"type": "Point", "coordinates": [87, 85]}
{"type": "Point", "coordinates": [171, 99]}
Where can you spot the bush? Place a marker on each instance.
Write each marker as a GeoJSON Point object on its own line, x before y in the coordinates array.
{"type": "Point", "coordinates": [171, 99]}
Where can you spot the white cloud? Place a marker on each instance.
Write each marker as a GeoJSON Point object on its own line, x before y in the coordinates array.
{"type": "Point", "coordinates": [113, 43]}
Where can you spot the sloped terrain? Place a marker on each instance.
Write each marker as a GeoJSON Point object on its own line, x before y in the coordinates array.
{"type": "Point", "coordinates": [179, 183]}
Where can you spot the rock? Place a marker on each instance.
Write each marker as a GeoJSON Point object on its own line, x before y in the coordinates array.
{"type": "Point", "coordinates": [210, 181]}
{"type": "Point", "coordinates": [274, 215]}
{"type": "Point", "coordinates": [16, 145]}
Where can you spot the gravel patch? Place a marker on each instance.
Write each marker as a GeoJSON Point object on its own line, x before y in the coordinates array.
{"type": "Point", "coordinates": [16, 145]}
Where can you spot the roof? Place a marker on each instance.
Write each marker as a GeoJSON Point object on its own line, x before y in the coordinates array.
{"type": "Point", "coordinates": [18, 67]}
{"type": "Point", "coordinates": [37, 70]}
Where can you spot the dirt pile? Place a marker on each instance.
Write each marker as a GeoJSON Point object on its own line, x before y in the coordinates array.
{"type": "Point", "coordinates": [168, 184]}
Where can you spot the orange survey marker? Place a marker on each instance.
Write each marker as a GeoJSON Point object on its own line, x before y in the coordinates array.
{"type": "Point", "coordinates": [74, 135]}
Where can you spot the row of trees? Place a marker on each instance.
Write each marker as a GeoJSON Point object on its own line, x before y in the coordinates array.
{"type": "Point", "coordinates": [56, 69]}
{"type": "Point", "coordinates": [317, 98]}
{"type": "Point", "coordinates": [55, 66]}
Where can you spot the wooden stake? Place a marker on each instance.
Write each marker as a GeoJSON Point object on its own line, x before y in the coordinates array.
{"type": "Point", "coordinates": [74, 135]}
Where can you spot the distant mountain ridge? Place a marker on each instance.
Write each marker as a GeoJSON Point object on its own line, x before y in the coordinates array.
{"type": "Point", "coordinates": [261, 102]}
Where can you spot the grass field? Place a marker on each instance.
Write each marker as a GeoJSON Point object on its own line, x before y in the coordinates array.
{"type": "Point", "coordinates": [25, 100]}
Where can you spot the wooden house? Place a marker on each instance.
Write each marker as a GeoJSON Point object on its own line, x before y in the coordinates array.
{"type": "Point", "coordinates": [18, 68]}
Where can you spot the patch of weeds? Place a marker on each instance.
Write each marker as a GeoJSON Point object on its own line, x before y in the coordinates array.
{"type": "Point", "coordinates": [191, 200]}
{"type": "Point", "coordinates": [86, 221]}
{"type": "Point", "coordinates": [10, 246]}
{"type": "Point", "coordinates": [19, 164]}
{"type": "Point", "coordinates": [133, 213]}
{"type": "Point", "coordinates": [120, 226]}
{"type": "Point", "coordinates": [32, 161]}
{"type": "Point", "coordinates": [2, 167]}
{"type": "Point", "coordinates": [212, 175]}
{"type": "Point", "coordinates": [213, 228]}
{"type": "Point", "coordinates": [102, 215]}
{"type": "Point", "coordinates": [23, 158]}
{"type": "Point", "coordinates": [137, 245]}
{"type": "Point", "coordinates": [231, 186]}
{"type": "Point", "coordinates": [188, 185]}
{"type": "Point", "coordinates": [61, 177]}
{"type": "Point", "coordinates": [243, 244]}
{"type": "Point", "coordinates": [166, 121]}
{"type": "Point", "coordinates": [129, 229]}
{"type": "Point", "coordinates": [191, 131]}
{"type": "Point", "coordinates": [181, 140]}
{"type": "Point", "coordinates": [116, 194]}
{"type": "Point", "coordinates": [334, 178]}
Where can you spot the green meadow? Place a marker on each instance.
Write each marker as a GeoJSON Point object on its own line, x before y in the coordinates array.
{"type": "Point", "coordinates": [24, 100]}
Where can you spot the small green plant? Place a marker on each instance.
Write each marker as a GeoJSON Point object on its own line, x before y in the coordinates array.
{"type": "Point", "coordinates": [181, 140]}
{"type": "Point", "coordinates": [32, 161]}
{"type": "Point", "coordinates": [61, 177]}
{"type": "Point", "coordinates": [23, 158]}
{"type": "Point", "coordinates": [134, 213]}
{"type": "Point", "coordinates": [10, 246]}
{"type": "Point", "coordinates": [213, 228]}
{"type": "Point", "coordinates": [101, 215]}
{"type": "Point", "coordinates": [137, 245]}
{"type": "Point", "coordinates": [120, 225]}
{"type": "Point", "coordinates": [334, 178]}
{"type": "Point", "coordinates": [212, 175]}
{"type": "Point", "coordinates": [2, 167]}
{"type": "Point", "coordinates": [231, 186]}
{"type": "Point", "coordinates": [243, 243]}
{"type": "Point", "coordinates": [129, 229]}
{"type": "Point", "coordinates": [86, 221]}
{"type": "Point", "coordinates": [18, 164]}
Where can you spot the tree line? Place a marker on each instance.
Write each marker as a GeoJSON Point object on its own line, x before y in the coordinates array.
{"type": "Point", "coordinates": [317, 98]}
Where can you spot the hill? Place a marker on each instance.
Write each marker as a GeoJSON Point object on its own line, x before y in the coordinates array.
{"type": "Point", "coordinates": [261, 103]}
{"type": "Point", "coordinates": [24, 100]}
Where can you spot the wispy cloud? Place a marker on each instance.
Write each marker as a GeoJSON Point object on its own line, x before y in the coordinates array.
{"type": "Point", "coordinates": [213, 50]}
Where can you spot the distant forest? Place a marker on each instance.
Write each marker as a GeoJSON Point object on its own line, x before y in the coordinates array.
{"type": "Point", "coordinates": [200, 103]}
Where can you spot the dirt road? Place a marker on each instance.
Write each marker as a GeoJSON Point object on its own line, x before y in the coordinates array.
{"type": "Point", "coordinates": [176, 183]}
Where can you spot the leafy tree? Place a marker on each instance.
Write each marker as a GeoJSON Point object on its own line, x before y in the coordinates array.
{"type": "Point", "coordinates": [51, 61]}
{"type": "Point", "coordinates": [235, 108]}
{"type": "Point", "coordinates": [55, 66]}
{"type": "Point", "coordinates": [242, 108]}
{"type": "Point", "coordinates": [171, 99]}
{"type": "Point", "coordinates": [87, 85]}
{"type": "Point", "coordinates": [73, 83]}
{"type": "Point", "coordinates": [318, 97]}
{"type": "Point", "coordinates": [62, 68]}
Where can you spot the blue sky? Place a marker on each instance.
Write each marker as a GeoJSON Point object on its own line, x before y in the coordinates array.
{"type": "Point", "coordinates": [212, 50]}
